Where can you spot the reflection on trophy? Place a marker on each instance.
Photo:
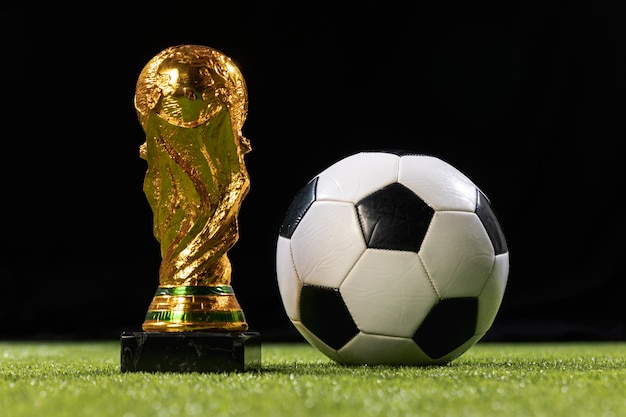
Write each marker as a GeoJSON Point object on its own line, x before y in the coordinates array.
{"type": "Point", "coordinates": [192, 101]}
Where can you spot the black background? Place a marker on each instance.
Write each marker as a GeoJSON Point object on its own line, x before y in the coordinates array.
{"type": "Point", "coordinates": [527, 99]}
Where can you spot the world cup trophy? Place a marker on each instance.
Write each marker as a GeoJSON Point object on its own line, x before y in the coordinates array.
{"type": "Point", "coordinates": [191, 102]}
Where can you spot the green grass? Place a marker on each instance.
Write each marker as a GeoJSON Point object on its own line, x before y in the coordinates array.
{"type": "Point", "coordinates": [55, 379]}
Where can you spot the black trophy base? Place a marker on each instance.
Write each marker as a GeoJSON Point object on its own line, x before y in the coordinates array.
{"type": "Point", "coordinates": [190, 352]}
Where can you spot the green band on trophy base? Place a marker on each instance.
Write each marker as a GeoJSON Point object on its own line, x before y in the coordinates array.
{"type": "Point", "coordinates": [191, 101]}
{"type": "Point", "coordinates": [212, 316]}
{"type": "Point", "coordinates": [195, 290]}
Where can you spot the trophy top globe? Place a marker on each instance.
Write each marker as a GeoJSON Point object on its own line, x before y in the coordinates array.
{"type": "Point", "coordinates": [186, 85]}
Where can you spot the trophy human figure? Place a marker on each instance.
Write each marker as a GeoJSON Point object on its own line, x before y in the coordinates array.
{"type": "Point", "coordinates": [191, 101]}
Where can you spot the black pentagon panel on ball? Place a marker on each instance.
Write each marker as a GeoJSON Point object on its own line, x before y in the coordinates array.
{"type": "Point", "coordinates": [324, 313]}
{"type": "Point", "coordinates": [487, 216]}
{"type": "Point", "coordinates": [449, 324]}
{"type": "Point", "coordinates": [394, 218]}
{"type": "Point", "coordinates": [298, 207]}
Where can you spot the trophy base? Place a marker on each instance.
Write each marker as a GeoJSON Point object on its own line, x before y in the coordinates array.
{"type": "Point", "coordinates": [190, 351]}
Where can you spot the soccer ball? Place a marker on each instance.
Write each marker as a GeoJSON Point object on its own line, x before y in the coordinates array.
{"type": "Point", "coordinates": [391, 258]}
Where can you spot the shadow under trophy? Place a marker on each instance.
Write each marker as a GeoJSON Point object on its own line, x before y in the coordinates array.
{"type": "Point", "coordinates": [191, 101]}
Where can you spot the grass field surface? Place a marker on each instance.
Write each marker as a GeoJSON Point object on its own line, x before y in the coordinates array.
{"type": "Point", "coordinates": [83, 379]}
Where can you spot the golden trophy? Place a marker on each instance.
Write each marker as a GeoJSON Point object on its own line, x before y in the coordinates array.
{"type": "Point", "coordinates": [191, 101]}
